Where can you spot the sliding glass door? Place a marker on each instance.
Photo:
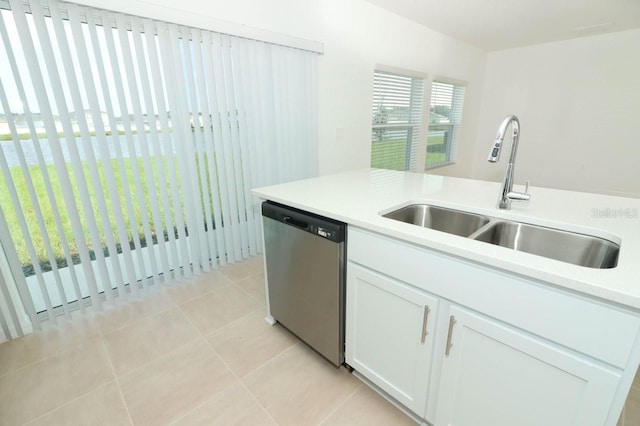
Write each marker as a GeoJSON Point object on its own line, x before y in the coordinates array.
{"type": "Point", "coordinates": [128, 147]}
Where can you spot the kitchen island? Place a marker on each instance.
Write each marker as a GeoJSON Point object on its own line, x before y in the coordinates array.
{"type": "Point", "coordinates": [492, 324]}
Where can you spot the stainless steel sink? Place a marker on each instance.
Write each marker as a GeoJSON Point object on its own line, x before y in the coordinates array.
{"type": "Point", "coordinates": [439, 219]}
{"type": "Point", "coordinates": [578, 249]}
{"type": "Point", "coordinates": [575, 248]}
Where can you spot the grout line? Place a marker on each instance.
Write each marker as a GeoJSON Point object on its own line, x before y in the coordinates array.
{"type": "Point", "coordinates": [255, 398]}
{"type": "Point", "coordinates": [269, 360]}
{"type": "Point", "coordinates": [344, 402]}
{"type": "Point", "coordinates": [205, 336]}
{"type": "Point", "coordinates": [59, 352]}
{"type": "Point", "coordinates": [217, 331]}
{"type": "Point", "coordinates": [127, 304]}
{"type": "Point", "coordinates": [167, 354]}
{"type": "Point", "coordinates": [69, 402]}
{"type": "Point", "coordinates": [204, 294]}
{"type": "Point", "coordinates": [273, 359]}
{"type": "Point", "coordinates": [253, 298]}
{"type": "Point", "coordinates": [243, 384]}
{"type": "Point", "coordinates": [189, 319]}
{"type": "Point", "coordinates": [211, 333]}
{"type": "Point", "coordinates": [281, 354]}
{"type": "Point", "coordinates": [142, 319]}
{"type": "Point", "coordinates": [124, 401]}
{"type": "Point", "coordinates": [174, 349]}
{"type": "Point", "coordinates": [164, 355]}
{"type": "Point", "coordinates": [207, 290]}
{"type": "Point", "coordinates": [115, 378]}
{"type": "Point", "coordinates": [250, 274]}
{"type": "Point", "coordinates": [31, 364]}
{"type": "Point", "coordinates": [61, 329]}
{"type": "Point", "coordinates": [215, 395]}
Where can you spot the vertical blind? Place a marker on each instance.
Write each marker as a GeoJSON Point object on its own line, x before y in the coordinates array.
{"type": "Point", "coordinates": [129, 147]}
{"type": "Point", "coordinates": [396, 120]}
{"type": "Point", "coordinates": [445, 119]}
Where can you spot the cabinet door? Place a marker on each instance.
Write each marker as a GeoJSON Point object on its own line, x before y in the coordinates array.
{"type": "Point", "coordinates": [495, 375]}
{"type": "Point", "coordinates": [389, 334]}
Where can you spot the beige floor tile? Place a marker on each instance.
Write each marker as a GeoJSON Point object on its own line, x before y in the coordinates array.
{"type": "Point", "coordinates": [256, 264]}
{"type": "Point", "coordinates": [632, 407]}
{"type": "Point", "coordinates": [234, 406]}
{"type": "Point", "coordinates": [367, 408]}
{"type": "Point", "coordinates": [249, 342]}
{"type": "Point", "coordinates": [170, 387]}
{"type": "Point", "coordinates": [240, 270]}
{"type": "Point", "coordinates": [218, 308]}
{"type": "Point", "coordinates": [146, 340]}
{"type": "Point", "coordinates": [299, 387]}
{"type": "Point", "coordinates": [34, 390]}
{"type": "Point", "coordinates": [186, 290]}
{"type": "Point", "coordinates": [636, 379]}
{"type": "Point", "coordinates": [128, 311]}
{"type": "Point", "coordinates": [103, 406]}
{"type": "Point", "coordinates": [53, 339]}
{"type": "Point", "coordinates": [254, 286]}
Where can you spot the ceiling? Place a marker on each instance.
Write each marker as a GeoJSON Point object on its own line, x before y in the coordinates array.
{"type": "Point", "coordinates": [503, 24]}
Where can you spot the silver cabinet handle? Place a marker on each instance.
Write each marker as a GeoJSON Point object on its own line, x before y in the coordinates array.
{"type": "Point", "coordinates": [452, 322]}
{"type": "Point", "coordinates": [425, 320]}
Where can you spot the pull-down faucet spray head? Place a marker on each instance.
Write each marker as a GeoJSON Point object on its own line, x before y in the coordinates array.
{"type": "Point", "coordinates": [494, 154]}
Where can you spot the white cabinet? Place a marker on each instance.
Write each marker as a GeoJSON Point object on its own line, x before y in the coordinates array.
{"type": "Point", "coordinates": [520, 352]}
{"type": "Point", "coordinates": [389, 335]}
{"type": "Point", "coordinates": [497, 375]}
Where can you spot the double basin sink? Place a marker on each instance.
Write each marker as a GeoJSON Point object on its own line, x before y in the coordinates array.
{"type": "Point", "coordinates": [578, 249]}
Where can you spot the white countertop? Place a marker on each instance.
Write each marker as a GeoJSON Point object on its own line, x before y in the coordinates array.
{"type": "Point", "coordinates": [358, 197]}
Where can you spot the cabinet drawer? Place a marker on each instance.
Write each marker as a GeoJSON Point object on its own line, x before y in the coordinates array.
{"type": "Point", "coordinates": [587, 326]}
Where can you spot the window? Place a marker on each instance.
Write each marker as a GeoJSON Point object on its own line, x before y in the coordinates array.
{"type": "Point", "coordinates": [396, 120]}
{"type": "Point", "coordinates": [401, 136]}
{"type": "Point", "coordinates": [445, 118]}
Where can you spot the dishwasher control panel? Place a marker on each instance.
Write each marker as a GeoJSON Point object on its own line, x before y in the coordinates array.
{"type": "Point", "coordinates": [321, 226]}
{"type": "Point", "coordinates": [324, 232]}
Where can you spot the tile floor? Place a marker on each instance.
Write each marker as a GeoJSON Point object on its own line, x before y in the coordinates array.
{"type": "Point", "coordinates": [631, 412]}
{"type": "Point", "coordinates": [196, 352]}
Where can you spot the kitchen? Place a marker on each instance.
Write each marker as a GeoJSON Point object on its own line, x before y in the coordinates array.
{"type": "Point", "coordinates": [569, 94]}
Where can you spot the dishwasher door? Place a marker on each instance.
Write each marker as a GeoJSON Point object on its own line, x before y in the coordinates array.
{"type": "Point", "coordinates": [304, 255]}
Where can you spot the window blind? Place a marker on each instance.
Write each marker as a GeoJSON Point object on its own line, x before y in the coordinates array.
{"type": "Point", "coordinates": [396, 120]}
{"type": "Point", "coordinates": [445, 119]}
{"type": "Point", "coordinates": [128, 150]}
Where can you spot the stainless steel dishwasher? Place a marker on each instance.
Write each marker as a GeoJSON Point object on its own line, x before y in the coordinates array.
{"type": "Point", "coordinates": [305, 255]}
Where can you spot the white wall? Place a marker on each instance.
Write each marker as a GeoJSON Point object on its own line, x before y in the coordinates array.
{"type": "Point", "coordinates": [356, 37]}
{"type": "Point", "coordinates": [354, 43]}
{"type": "Point", "coordinates": [578, 102]}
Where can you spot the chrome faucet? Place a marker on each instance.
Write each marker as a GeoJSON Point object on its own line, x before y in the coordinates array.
{"type": "Point", "coordinates": [506, 192]}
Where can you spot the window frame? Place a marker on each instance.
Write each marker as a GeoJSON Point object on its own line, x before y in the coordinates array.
{"type": "Point", "coordinates": [418, 152]}
{"type": "Point", "coordinates": [452, 148]}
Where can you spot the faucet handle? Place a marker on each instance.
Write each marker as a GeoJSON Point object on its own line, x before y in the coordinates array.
{"type": "Point", "coordinates": [520, 196]}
